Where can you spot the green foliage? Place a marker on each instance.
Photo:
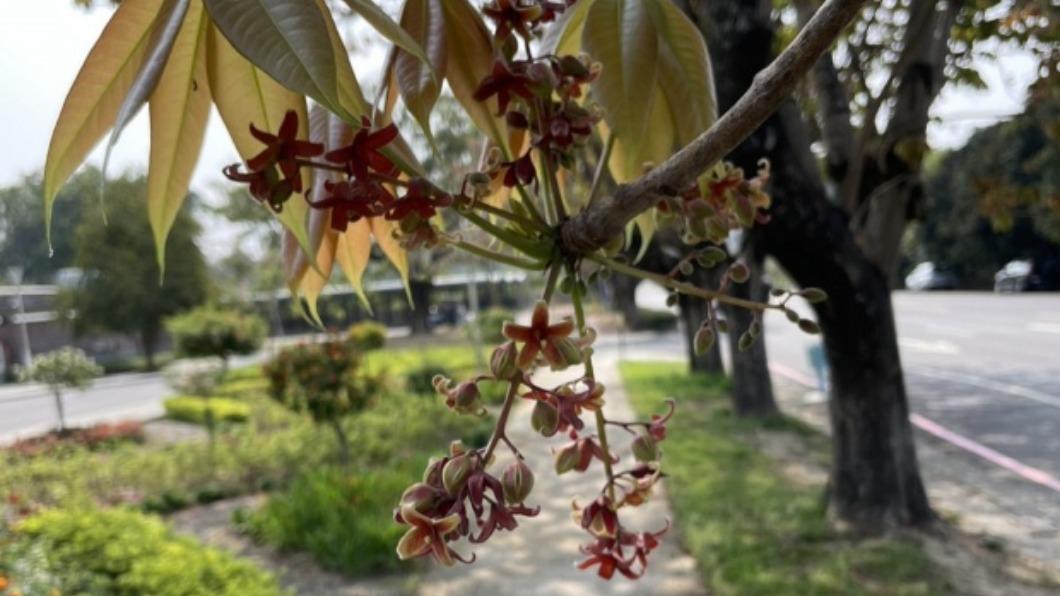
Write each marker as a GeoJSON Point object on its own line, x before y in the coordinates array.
{"type": "Point", "coordinates": [212, 331]}
{"type": "Point", "coordinates": [490, 322]}
{"type": "Point", "coordinates": [996, 199]}
{"type": "Point", "coordinates": [240, 387]}
{"type": "Point", "coordinates": [194, 377]}
{"type": "Point", "coordinates": [367, 335]}
{"type": "Point", "coordinates": [320, 379]}
{"type": "Point", "coordinates": [345, 520]}
{"type": "Point", "coordinates": [121, 552]}
{"type": "Point", "coordinates": [418, 380]}
{"type": "Point", "coordinates": [194, 409]}
{"type": "Point", "coordinates": [751, 530]}
{"type": "Point", "coordinates": [122, 290]}
{"type": "Point", "coordinates": [63, 368]}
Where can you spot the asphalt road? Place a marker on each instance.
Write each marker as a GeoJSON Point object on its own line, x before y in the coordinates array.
{"type": "Point", "coordinates": [984, 366]}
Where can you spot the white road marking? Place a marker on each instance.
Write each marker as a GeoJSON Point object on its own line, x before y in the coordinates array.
{"type": "Point", "coordinates": [1044, 327]}
{"type": "Point", "coordinates": [935, 346]}
{"type": "Point", "coordinates": [984, 383]}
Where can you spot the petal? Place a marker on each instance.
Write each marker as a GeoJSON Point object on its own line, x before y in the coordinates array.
{"type": "Point", "coordinates": [289, 126]}
{"type": "Point", "coordinates": [561, 329]}
{"type": "Point", "coordinates": [415, 543]}
{"type": "Point", "coordinates": [527, 355]}
{"type": "Point", "coordinates": [517, 332]}
{"type": "Point", "coordinates": [539, 320]}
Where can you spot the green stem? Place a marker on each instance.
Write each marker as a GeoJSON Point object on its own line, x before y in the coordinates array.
{"type": "Point", "coordinates": [681, 287]}
{"type": "Point", "coordinates": [601, 423]}
{"type": "Point", "coordinates": [550, 283]}
{"type": "Point", "coordinates": [512, 217]}
{"type": "Point", "coordinates": [523, 245]}
{"type": "Point", "coordinates": [498, 257]}
{"type": "Point", "coordinates": [502, 420]}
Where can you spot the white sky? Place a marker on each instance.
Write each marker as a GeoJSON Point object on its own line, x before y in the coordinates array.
{"type": "Point", "coordinates": [43, 42]}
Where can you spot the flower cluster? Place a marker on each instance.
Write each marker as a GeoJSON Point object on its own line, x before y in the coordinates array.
{"type": "Point", "coordinates": [724, 200]}
{"type": "Point", "coordinates": [456, 491]}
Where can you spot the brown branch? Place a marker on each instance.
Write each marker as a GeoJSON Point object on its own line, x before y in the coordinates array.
{"type": "Point", "coordinates": [606, 218]}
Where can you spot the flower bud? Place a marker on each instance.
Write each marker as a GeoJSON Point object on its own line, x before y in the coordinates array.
{"type": "Point", "coordinates": [814, 295]}
{"type": "Point", "coordinates": [686, 268]}
{"type": "Point", "coordinates": [703, 341]}
{"type": "Point", "coordinates": [465, 398]}
{"type": "Point", "coordinates": [808, 326]}
{"type": "Point", "coordinates": [570, 351]}
{"type": "Point", "coordinates": [419, 496]}
{"type": "Point", "coordinates": [739, 273]}
{"type": "Point", "coordinates": [457, 448]}
{"type": "Point", "coordinates": [746, 341]}
{"type": "Point", "coordinates": [518, 481]}
{"type": "Point", "coordinates": [455, 473]}
{"type": "Point", "coordinates": [544, 418]}
{"type": "Point", "coordinates": [567, 458]}
{"type": "Point", "coordinates": [503, 361]}
{"type": "Point", "coordinates": [645, 449]}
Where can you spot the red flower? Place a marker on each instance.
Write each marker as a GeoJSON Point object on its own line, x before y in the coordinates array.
{"type": "Point", "coordinates": [504, 82]}
{"type": "Point", "coordinates": [265, 186]}
{"type": "Point", "coordinates": [428, 536]}
{"type": "Point", "coordinates": [520, 171]}
{"type": "Point", "coordinates": [363, 153]}
{"type": "Point", "coordinates": [522, 15]}
{"type": "Point", "coordinates": [550, 340]}
{"type": "Point", "coordinates": [350, 200]}
{"type": "Point", "coordinates": [420, 198]}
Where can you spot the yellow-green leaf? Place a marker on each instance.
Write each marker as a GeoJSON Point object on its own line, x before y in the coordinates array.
{"type": "Point", "coordinates": [353, 252]}
{"type": "Point", "coordinates": [685, 74]}
{"type": "Point", "coordinates": [245, 95]}
{"type": "Point", "coordinates": [289, 39]}
{"type": "Point", "coordinates": [168, 25]}
{"type": "Point", "coordinates": [91, 107]}
{"type": "Point", "coordinates": [469, 50]}
{"type": "Point", "coordinates": [383, 231]}
{"type": "Point", "coordinates": [565, 35]}
{"type": "Point", "coordinates": [179, 110]}
{"type": "Point", "coordinates": [419, 80]}
{"type": "Point", "coordinates": [316, 278]}
{"type": "Point", "coordinates": [621, 35]}
{"type": "Point", "coordinates": [386, 26]}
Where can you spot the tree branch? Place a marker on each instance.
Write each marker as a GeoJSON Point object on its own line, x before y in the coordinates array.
{"type": "Point", "coordinates": [606, 218]}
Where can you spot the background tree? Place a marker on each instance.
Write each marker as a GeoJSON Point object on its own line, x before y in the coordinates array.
{"type": "Point", "coordinates": [122, 288]}
{"type": "Point", "coordinates": [66, 368]}
{"type": "Point", "coordinates": [209, 331]}
{"type": "Point", "coordinates": [996, 199]}
{"type": "Point", "coordinates": [22, 242]}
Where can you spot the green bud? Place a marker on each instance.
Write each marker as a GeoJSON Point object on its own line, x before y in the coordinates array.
{"type": "Point", "coordinates": [792, 315]}
{"type": "Point", "coordinates": [455, 473]}
{"type": "Point", "coordinates": [544, 418]}
{"type": "Point", "coordinates": [645, 449]}
{"type": "Point", "coordinates": [814, 295]}
{"type": "Point", "coordinates": [746, 341]}
{"type": "Point", "coordinates": [570, 351]}
{"type": "Point", "coordinates": [686, 268]}
{"type": "Point", "coordinates": [503, 361]}
{"type": "Point", "coordinates": [566, 285]}
{"type": "Point", "coordinates": [808, 326]}
{"type": "Point", "coordinates": [703, 341]}
{"type": "Point", "coordinates": [722, 325]}
{"type": "Point", "coordinates": [517, 481]}
{"type": "Point", "coordinates": [739, 272]}
{"type": "Point", "coordinates": [755, 329]}
{"type": "Point", "coordinates": [567, 458]}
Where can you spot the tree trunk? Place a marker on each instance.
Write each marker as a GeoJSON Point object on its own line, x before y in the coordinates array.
{"type": "Point", "coordinates": [343, 442]}
{"type": "Point", "coordinates": [875, 480]}
{"type": "Point", "coordinates": [752, 387]}
{"type": "Point", "coordinates": [421, 306]}
{"type": "Point", "coordinates": [149, 344]}
{"type": "Point", "coordinates": [60, 409]}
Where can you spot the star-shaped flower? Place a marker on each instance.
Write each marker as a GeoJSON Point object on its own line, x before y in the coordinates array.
{"type": "Point", "coordinates": [552, 341]}
{"type": "Point", "coordinates": [427, 536]}
{"type": "Point", "coordinates": [364, 152]}
{"type": "Point", "coordinates": [283, 149]}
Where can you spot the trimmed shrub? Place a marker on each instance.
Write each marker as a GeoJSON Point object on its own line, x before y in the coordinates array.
{"type": "Point", "coordinates": [122, 552]}
{"type": "Point", "coordinates": [490, 322]}
{"type": "Point", "coordinates": [367, 335]}
{"type": "Point", "coordinates": [189, 408]}
{"type": "Point", "coordinates": [211, 331]}
{"type": "Point", "coordinates": [65, 368]}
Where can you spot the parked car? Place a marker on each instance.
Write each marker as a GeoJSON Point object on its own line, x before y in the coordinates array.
{"type": "Point", "coordinates": [926, 276]}
{"type": "Point", "coordinates": [1026, 275]}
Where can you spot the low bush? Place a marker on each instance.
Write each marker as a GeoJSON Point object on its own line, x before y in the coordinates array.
{"type": "Point", "coordinates": [210, 331]}
{"type": "Point", "coordinates": [419, 379]}
{"type": "Point", "coordinates": [344, 520]}
{"type": "Point", "coordinates": [194, 409]}
{"type": "Point", "coordinates": [242, 387]}
{"type": "Point", "coordinates": [98, 436]}
{"type": "Point", "coordinates": [118, 551]}
{"type": "Point", "coordinates": [654, 320]}
{"type": "Point", "coordinates": [244, 373]}
{"type": "Point", "coordinates": [490, 322]}
{"type": "Point", "coordinates": [367, 335]}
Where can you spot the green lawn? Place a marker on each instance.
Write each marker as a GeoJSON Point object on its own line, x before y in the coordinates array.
{"type": "Point", "coordinates": [751, 530]}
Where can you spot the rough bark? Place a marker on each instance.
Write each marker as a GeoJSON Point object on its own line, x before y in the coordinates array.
{"type": "Point", "coordinates": [752, 386]}
{"type": "Point", "coordinates": [875, 479]}
{"type": "Point", "coordinates": [421, 304]}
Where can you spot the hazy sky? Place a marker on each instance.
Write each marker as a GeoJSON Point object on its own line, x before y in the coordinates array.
{"type": "Point", "coordinates": [45, 41]}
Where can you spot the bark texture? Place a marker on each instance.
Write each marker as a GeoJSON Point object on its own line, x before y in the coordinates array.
{"type": "Point", "coordinates": [752, 385]}
{"type": "Point", "coordinates": [875, 480]}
